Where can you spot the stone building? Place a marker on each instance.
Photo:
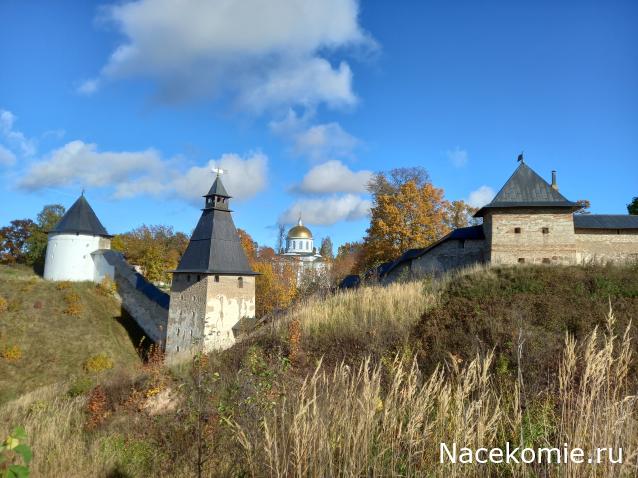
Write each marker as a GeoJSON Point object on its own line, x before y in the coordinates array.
{"type": "Point", "coordinates": [528, 222]}
{"type": "Point", "coordinates": [213, 285]}
{"type": "Point", "coordinates": [72, 243]}
{"type": "Point", "coordinates": [301, 253]}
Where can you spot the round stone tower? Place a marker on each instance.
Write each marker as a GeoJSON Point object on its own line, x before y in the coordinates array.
{"type": "Point", "coordinates": [71, 243]}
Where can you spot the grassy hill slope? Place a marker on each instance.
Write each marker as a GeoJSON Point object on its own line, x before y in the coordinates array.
{"type": "Point", "coordinates": [49, 330]}
{"type": "Point", "coordinates": [344, 386]}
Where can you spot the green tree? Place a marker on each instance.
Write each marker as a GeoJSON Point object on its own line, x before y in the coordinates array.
{"type": "Point", "coordinates": [37, 241]}
{"type": "Point", "coordinates": [632, 207]}
{"type": "Point", "coordinates": [326, 248]}
{"type": "Point", "coordinates": [584, 205]}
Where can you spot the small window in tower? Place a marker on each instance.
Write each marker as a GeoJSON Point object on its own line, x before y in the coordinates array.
{"type": "Point", "coordinates": [199, 277]}
{"type": "Point", "coordinates": [216, 278]}
{"type": "Point", "coordinates": [517, 230]}
{"type": "Point", "coordinates": [240, 282]}
{"type": "Point", "coordinates": [546, 260]}
{"type": "Point", "coordinates": [546, 230]}
{"type": "Point", "coordinates": [462, 244]}
{"type": "Point", "coordinates": [188, 278]}
{"type": "Point", "coordinates": [521, 260]}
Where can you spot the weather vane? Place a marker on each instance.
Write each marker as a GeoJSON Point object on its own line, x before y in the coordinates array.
{"type": "Point", "coordinates": [219, 171]}
{"type": "Point", "coordinates": [521, 159]}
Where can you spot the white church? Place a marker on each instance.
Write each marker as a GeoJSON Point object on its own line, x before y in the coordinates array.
{"type": "Point", "coordinates": [300, 252]}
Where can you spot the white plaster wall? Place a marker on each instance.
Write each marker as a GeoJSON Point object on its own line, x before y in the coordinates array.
{"type": "Point", "coordinates": [69, 257]}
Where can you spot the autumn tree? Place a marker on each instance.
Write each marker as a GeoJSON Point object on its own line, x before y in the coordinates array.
{"type": "Point", "coordinates": [275, 286]}
{"type": "Point", "coordinates": [37, 241]}
{"type": "Point", "coordinates": [326, 250]}
{"type": "Point", "coordinates": [460, 214]}
{"type": "Point", "coordinates": [408, 212]}
{"type": "Point", "coordinates": [632, 207]}
{"type": "Point", "coordinates": [14, 241]}
{"type": "Point", "coordinates": [584, 205]}
{"type": "Point", "coordinates": [157, 249]}
{"type": "Point", "coordinates": [348, 256]}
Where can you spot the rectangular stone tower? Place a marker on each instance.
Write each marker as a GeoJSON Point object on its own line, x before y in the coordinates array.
{"type": "Point", "coordinates": [529, 222]}
{"type": "Point", "coordinates": [213, 286]}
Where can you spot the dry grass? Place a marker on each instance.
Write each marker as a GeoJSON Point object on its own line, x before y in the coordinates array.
{"type": "Point", "coordinates": [372, 319]}
{"type": "Point", "coordinates": [345, 422]}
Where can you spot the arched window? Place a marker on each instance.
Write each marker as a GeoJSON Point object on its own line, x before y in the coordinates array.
{"type": "Point", "coordinates": [240, 282]}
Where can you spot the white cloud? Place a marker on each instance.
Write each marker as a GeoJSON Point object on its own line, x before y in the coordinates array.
{"type": "Point", "coordinates": [7, 158]}
{"type": "Point", "coordinates": [318, 142]}
{"type": "Point", "coordinates": [334, 177]}
{"type": "Point", "coordinates": [14, 138]}
{"type": "Point", "coordinates": [135, 173]}
{"type": "Point", "coordinates": [266, 54]}
{"type": "Point", "coordinates": [88, 87]}
{"type": "Point", "coordinates": [481, 196]}
{"type": "Point", "coordinates": [82, 163]}
{"type": "Point", "coordinates": [327, 211]}
{"type": "Point", "coordinates": [458, 157]}
{"type": "Point", "coordinates": [244, 177]}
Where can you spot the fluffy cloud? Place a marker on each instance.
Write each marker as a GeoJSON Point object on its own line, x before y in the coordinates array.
{"type": "Point", "coordinates": [458, 157]}
{"type": "Point", "coordinates": [14, 138]}
{"type": "Point", "coordinates": [317, 142]}
{"type": "Point", "coordinates": [267, 54]}
{"type": "Point", "coordinates": [79, 162]}
{"type": "Point", "coordinates": [7, 158]}
{"type": "Point", "coordinates": [135, 173]}
{"type": "Point", "coordinates": [244, 177]}
{"type": "Point", "coordinates": [481, 196]}
{"type": "Point", "coordinates": [334, 177]}
{"type": "Point", "coordinates": [327, 211]}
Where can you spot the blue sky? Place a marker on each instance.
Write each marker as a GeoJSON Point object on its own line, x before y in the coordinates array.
{"type": "Point", "coordinates": [302, 100]}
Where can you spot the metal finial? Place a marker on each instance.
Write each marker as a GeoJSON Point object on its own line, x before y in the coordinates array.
{"type": "Point", "coordinates": [521, 158]}
{"type": "Point", "coordinates": [219, 171]}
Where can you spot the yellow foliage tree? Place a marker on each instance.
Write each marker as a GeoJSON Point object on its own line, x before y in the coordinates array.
{"type": "Point", "coordinates": [406, 216]}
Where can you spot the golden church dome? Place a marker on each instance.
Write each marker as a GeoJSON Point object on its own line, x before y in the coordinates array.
{"type": "Point", "coordinates": [300, 231]}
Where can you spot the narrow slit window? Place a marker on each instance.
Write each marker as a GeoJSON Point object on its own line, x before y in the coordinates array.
{"type": "Point", "coordinates": [240, 282]}
{"type": "Point", "coordinates": [517, 230]}
{"type": "Point", "coordinates": [546, 230]}
{"type": "Point", "coordinates": [216, 278]}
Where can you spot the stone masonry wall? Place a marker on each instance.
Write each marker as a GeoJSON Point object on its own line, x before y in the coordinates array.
{"type": "Point", "coordinates": [451, 254]}
{"type": "Point", "coordinates": [557, 245]}
{"type": "Point", "coordinates": [142, 300]}
{"type": "Point", "coordinates": [606, 245]}
{"type": "Point", "coordinates": [227, 301]}
{"type": "Point", "coordinates": [186, 312]}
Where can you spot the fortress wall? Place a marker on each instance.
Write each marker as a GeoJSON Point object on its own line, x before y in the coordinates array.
{"type": "Point", "coordinates": [147, 304]}
{"type": "Point", "coordinates": [449, 255]}
{"type": "Point", "coordinates": [557, 246]}
{"type": "Point", "coordinates": [606, 245]}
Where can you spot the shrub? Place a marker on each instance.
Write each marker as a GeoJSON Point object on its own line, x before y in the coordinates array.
{"type": "Point", "coordinates": [12, 353]}
{"type": "Point", "coordinates": [4, 305]}
{"type": "Point", "coordinates": [106, 287]}
{"type": "Point", "coordinates": [63, 285]}
{"type": "Point", "coordinates": [98, 363]}
{"type": "Point", "coordinates": [73, 305]}
{"type": "Point", "coordinates": [13, 449]}
{"type": "Point", "coordinates": [80, 386]}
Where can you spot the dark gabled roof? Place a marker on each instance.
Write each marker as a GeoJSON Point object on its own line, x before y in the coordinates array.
{"type": "Point", "coordinates": [218, 189]}
{"type": "Point", "coordinates": [351, 281]}
{"type": "Point", "coordinates": [525, 188]}
{"type": "Point", "coordinates": [80, 219]}
{"type": "Point", "coordinates": [605, 221]}
{"type": "Point", "coordinates": [215, 247]}
{"type": "Point", "coordinates": [462, 233]}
